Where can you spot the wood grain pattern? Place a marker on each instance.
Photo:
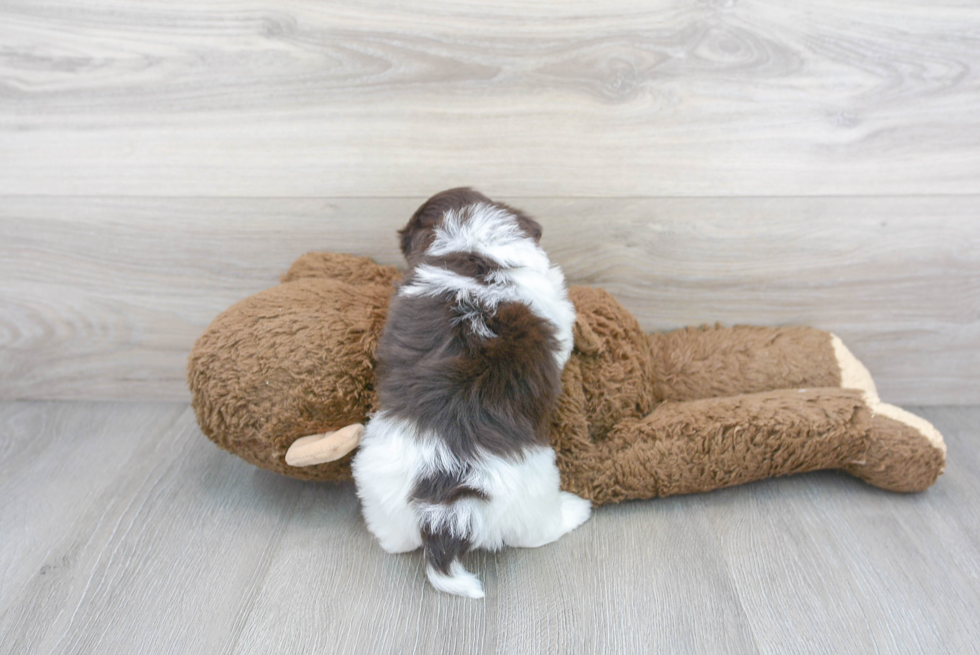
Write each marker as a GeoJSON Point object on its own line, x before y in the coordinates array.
{"type": "Point", "coordinates": [124, 530]}
{"type": "Point", "coordinates": [147, 531]}
{"type": "Point", "coordinates": [103, 297]}
{"type": "Point", "coordinates": [78, 461]}
{"type": "Point", "coordinates": [870, 595]}
{"type": "Point", "coordinates": [622, 98]}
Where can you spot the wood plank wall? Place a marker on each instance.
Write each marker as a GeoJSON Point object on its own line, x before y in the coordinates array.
{"type": "Point", "coordinates": [734, 161]}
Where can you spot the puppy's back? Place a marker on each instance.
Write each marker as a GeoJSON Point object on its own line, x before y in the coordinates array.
{"type": "Point", "coordinates": [486, 391]}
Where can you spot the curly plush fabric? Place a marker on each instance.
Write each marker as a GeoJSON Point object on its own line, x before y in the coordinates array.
{"type": "Point", "coordinates": [293, 360]}
{"type": "Point", "coordinates": [641, 415]}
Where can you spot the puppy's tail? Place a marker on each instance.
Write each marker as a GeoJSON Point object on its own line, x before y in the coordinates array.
{"type": "Point", "coordinates": [442, 551]}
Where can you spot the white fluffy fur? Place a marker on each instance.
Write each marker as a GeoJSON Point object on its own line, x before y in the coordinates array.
{"type": "Point", "coordinates": [459, 581]}
{"type": "Point", "coordinates": [526, 506]}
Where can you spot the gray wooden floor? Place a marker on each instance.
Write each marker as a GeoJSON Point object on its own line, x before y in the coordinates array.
{"type": "Point", "coordinates": [125, 531]}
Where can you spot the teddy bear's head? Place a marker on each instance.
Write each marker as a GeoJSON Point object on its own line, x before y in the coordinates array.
{"type": "Point", "coordinates": [292, 361]}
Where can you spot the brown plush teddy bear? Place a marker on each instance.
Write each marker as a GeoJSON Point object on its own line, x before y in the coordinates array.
{"type": "Point", "coordinates": [284, 379]}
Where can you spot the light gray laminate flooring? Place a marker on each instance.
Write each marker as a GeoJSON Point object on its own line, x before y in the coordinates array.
{"type": "Point", "coordinates": [123, 530]}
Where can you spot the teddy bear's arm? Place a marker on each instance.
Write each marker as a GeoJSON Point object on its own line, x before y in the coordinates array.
{"type": "Point", "coordinates": [700, 445]}
{"type": "Point", "coordinates": [713, 362]}
{"type": "Point", "coordinates": [340, 266]}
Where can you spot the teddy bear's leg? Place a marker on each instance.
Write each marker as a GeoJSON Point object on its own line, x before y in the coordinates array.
{"type": "Point", "coordinates": [700, 445]}
{"type": "Point", "coordinates": [896, 459]}
{"type": "Point", "coordinates": [905, 452]}
{"type": "Point", "coordinates": [714, 362]}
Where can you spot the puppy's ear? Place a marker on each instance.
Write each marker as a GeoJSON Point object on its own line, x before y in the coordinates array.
{"type": "Point", "coordinates": [528, 225]}
{"type": "Point", "coordinates": [417, 236]}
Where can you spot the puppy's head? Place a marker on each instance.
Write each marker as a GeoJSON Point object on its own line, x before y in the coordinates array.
{"type": "Point", "coordinates": [417, 236]}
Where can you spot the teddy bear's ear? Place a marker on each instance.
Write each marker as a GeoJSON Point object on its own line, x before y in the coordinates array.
{"type": "Point", "coordinates": [586, 340]}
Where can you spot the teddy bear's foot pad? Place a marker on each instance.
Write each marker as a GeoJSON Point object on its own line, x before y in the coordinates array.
{"type": "Point", "coordinates": [905, 453]}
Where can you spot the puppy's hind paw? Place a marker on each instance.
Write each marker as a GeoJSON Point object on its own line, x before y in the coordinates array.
{"type": "Point", "coordinates": [574, 511]}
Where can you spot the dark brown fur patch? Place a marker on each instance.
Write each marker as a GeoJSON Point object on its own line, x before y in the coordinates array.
{"type": "Point", "coordinates": [468, 264]}
{"type": "Point", "coordinates": [490, 395]}
{"type": "Point", "coordinates": [443, 488]}
{"type": "Point", "coordinates": [442, 549]}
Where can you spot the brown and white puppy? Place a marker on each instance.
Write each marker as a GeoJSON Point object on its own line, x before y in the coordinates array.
{"type": "Point", "coordinates": [469, 367]}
